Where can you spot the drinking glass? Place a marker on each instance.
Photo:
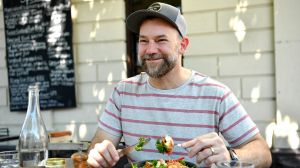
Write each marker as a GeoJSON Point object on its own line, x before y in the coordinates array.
{"type": "Point", "coordinates": [234, 164]}
{"type": "Point", "coordinates": [9, 159]}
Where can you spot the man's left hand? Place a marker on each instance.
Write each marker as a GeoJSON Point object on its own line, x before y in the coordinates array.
{"type": "Point", "coordinates": [209, 148]}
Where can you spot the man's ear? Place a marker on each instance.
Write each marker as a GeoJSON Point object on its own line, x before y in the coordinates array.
{"type": "Point", "coordinates": [184, 43]}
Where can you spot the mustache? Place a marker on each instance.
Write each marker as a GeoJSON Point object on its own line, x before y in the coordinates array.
{"type": "Point", "coordinates": [152, 56]}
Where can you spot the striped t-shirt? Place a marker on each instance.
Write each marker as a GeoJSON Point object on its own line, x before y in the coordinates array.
{"type": "Point", "coordinates": [201, 105]}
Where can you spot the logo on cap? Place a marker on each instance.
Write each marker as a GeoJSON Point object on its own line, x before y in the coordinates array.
{"type": "Point", "coordinates": [155, 7]}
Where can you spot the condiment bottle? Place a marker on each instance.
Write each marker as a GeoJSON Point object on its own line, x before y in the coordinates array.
{"type": "Point", "coordinates": [80, 158]}
{"type": "Point", "coordinates": [33, 139]}
{"type": "Point", "coordinates": [55, 163]}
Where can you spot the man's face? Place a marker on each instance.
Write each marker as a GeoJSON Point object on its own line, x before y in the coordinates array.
{"type": "Point", "coordinates": [159, 47]}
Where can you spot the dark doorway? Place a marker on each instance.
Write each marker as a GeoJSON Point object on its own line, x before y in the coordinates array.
{"type": "Point", "coordinates": [133, 67]}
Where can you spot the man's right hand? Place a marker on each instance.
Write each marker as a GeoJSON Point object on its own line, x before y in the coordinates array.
{"type": "Point", "coordinates": [103, 155]}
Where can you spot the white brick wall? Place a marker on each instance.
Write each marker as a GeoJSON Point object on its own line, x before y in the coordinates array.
{"type": "Point", "coordinates": [205, 65]}
{"type": "Point", "coordinates": [83, 69]}
{"type": "Point", "coordinates": [201, 5]}
{"type": "Point", "coordinates": [222, 43]}
{"type": "Point", "coordinates": [99, 43]}
{"type": "Point", "coordinates": [247, 67]}
{"type": "Point", "coordinates": [99, 31]}
{"type": "Point", "coordinates": [234, 83]}
{"type": "Point", "coordinates": [3, 95]}
{"type": "Point", "coordinates": [4, 78]}
{"type": "Point", "coordinates": [104, 51]}
{"type": "Point", "coordinates": [100, 10]}
{"type": "Point", "coordinates": [2, 37]}
{"type": "Point", "coordinates": [253, 18]}
{"type": "Point", "coordinates": [1, 19]}
{"type": "Point", "coordinates": [117, 71]}
{"type": "Point", "coordinates": [258, 41]}
{"type": "Point", "coordinates": [2, 58]}
{"type": "Point", "coordinates": [99, 52]}
{"type": "Point", "coordinates": [202, 22]}
{"type": "Point", "coordinates": [258, 87]}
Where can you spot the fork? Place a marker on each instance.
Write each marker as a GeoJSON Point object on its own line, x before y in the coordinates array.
{"type": "Point", "coordinates": [131, 148]}
{"type": "Point", "coordinates": [180, 146]}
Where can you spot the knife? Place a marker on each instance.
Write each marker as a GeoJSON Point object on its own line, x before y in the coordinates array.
{"type": "Point", "coordinates": [129, 149]}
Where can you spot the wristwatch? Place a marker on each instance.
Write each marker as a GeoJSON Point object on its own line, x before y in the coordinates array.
{"type": "Point", "coordinates": [233, 155]}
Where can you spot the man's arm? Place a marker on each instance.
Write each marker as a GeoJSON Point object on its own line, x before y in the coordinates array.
{"type": "Point", "coordinates": [102, 151]}
{"type": "Point", "coordinates": [100, 136]}
{"type": "Point", "coordinates": [255, 151]}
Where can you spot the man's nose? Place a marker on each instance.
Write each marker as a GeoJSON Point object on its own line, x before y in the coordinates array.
{"type": "Point", "coordinates": [152, 48]}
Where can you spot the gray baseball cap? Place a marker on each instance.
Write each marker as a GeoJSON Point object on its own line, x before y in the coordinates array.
{"type": "Point", "coordinates": [164, 11]}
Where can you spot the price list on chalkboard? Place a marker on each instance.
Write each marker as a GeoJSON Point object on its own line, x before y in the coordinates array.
{"type": "Point", "coordinates": [39, 50]}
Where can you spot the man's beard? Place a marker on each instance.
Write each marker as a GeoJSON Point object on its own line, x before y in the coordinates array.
{"type": "Point", "coordinates": [160, 69]}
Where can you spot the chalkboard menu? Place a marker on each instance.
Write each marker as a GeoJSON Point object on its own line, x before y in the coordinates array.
{"type": "Point", "coordinates": [39, 50]}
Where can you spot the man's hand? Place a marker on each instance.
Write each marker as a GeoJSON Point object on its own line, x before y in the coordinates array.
{"type": "Point", "coordinates": [209, 148]}
{"type": "Point", "coordinates": [103, 155]}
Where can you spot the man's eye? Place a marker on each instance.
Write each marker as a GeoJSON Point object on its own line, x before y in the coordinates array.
{"type": "Point", "coordinates": [142, 41]}
{"type": "Point", "coordinates": [162, 40]}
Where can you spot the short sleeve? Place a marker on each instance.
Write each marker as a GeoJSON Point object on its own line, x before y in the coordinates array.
{"type": "Point", "coordinates": [235, 124]}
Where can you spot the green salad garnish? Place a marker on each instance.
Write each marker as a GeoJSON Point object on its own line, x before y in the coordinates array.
{"type": "Point", "coordinates": [134, 165]}
{"type": "Point", "coordinates": [140, 145]}
{"type": "Point", "coordinates": [161, 147]}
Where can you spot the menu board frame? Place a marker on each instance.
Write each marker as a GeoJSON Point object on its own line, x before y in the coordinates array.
{"type": "Point", "coordinates": [39, 50]}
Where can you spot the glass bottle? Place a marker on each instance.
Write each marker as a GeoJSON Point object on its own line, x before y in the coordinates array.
{"type": "Point", "coordinates": [33, 140]}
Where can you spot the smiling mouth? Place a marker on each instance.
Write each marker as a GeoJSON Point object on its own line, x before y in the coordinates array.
{"type": "Point", "coordinates": [153, 59]}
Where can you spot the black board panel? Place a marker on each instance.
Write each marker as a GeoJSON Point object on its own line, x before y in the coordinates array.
{"type": "Point", "coordinates": [39, 50]}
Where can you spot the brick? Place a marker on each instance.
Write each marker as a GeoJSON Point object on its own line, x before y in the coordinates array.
{"type": "Point", "coordinates": [81, 131]}
{"type": "Point", "coordinates": [205, 65]}
{"type": "Point", "coordinates": [258, 17]}
{"type": "Point", "coordinates": [100, 10]}
{"type": "Point", "coordinates": [287, 78]}
{"type": "Point", "coordinates": [2, 37]}
{"type": "Point", "coordinates": [247, 65]}
{"type": "Point", "coordinates": [90, 111]}
{"type": "Point", "coordinates": [212, 44]}
{"type": "Point", "coordinates": [258, 41]}
{"type": "Point", "coordinates": [2, 58]}
{"type": "Point", "coordinates": [86, 73]}
{"type": "Point", "coordinates": [201, 5]}
{"type": "Point", "coordinates": [108, 51]}
{"type": "Point", "coordinates": [234, 84]}
{"type": "Point", "coordinates": [262, 111]}
{"type": "Point", "coordinates": [94, 92]}
{"type": "Point", "coordinates": [262, 126]}
{"type": "Point", "coordinates": [258, 2]}
{"type": "Point", "coordinates": [287, 26]}
{"type": "Point", "coordinates": [3, 77]}
{"type": "Point", "coordinates": [1, 20]}
{"type": "Point", "coordinates": [201, 22]}
{"type": "Point", "coordinates": [256, 88]}
{"type": "Point", "coordinates": [98, 31]}
{"type": "Point", "coordinates": [112, 71]}
{"type": "Point", "coordinates": [11, 118]}
{"type": "Point", "coordinates": [3, 95]}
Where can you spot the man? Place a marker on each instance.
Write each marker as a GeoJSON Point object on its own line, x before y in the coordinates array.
{"type": "Point", "coordinates": [172, 100]}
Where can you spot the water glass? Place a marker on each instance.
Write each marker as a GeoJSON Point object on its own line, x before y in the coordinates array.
{"type": "Point", "coordinates": [234, 164]}
{"type": "Point", "coordinates": [9, 159]}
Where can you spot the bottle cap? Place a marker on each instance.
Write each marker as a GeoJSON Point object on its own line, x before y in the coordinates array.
{"type": "Point", "coordinates": [54, 162]}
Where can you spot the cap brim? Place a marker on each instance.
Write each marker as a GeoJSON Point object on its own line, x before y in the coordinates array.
{"type": "Point", "coordinates": [135, 19]}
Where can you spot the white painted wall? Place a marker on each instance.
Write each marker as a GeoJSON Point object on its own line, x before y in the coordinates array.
{"type": "Point", "coordinates": [287, 50]}
{"type": "Point", "coordinates": [248, 67]}
{"type": "Point", "coordinates": [99, 44]}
